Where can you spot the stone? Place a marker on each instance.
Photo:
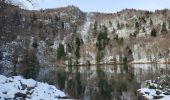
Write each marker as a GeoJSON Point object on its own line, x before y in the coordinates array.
{"type": "Point", "coordinates": [20, 95]}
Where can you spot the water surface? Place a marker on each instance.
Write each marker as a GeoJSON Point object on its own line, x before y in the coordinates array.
{"type": "Point", "coordinates": [104, 82]}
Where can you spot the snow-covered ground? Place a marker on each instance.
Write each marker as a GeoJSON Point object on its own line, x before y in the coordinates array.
{"type": "Point", "coordinates": [17, 87]}
{"type": "Point", "coordinates": [156, 89]}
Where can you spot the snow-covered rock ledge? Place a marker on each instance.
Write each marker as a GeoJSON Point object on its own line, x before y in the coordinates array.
{"type": "Point", "coordinates": [17, 87]}
{"type": "Point", "coordinates": [156, 89]}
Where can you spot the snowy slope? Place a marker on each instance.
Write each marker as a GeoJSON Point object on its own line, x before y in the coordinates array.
{"type": "Point", "coordinates": [86, 26]}
{"type": "Point", "coordinates": [17, 87]}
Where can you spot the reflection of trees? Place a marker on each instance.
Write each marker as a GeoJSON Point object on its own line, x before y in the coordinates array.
{"type": "Point", "coordinates": [104, 88]}
{"type": "Point", "coordinates": [87, 84]}
{"type": "Point", "coordinates": [61, 76]}
{"type": "Point", "coordinates": [115, 87]}
{"type": "Point", "coordinates": [102, 84]}
{"type": "Point", "coordinates": [123, 82]}
{"type": "Point", "coordinates": [74, 85]}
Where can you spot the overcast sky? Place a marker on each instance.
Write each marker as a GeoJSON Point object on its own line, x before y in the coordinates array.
{"type": "Point", "coordinates": [103, 5]}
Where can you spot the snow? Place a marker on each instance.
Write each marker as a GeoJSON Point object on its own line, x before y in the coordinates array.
{"type": "Point", "coordinates": [85, 29]}
{"type": "Point", "coordinates": [34, 90]}
{"type": "Point", "coordinates": [151, 93]}
{"type": "Point", "coordinates": [143, 60]}
{"type": "Point", "coordinates": [125, 33]}
{"type": "Point", "coordinates": [157, 91]}
{"type": "Point", "coordinates": [142, 55]}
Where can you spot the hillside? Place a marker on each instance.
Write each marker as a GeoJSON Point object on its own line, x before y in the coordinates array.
{"type": "Point", "coordinates": [68, 36]}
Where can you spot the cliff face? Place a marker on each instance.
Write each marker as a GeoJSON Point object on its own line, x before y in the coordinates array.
{"type": "Point", "coordinates": [52, 37]}
{"type": "Point", "coordinates": [130, 35]}
{"type": "Point", "coordinates": [30, 39]}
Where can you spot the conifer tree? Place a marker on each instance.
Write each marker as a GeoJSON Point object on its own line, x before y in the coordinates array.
{"type": "Point", "coordinates": [164, 29]}
{"type": "Point", "coordinates": [153, 32]}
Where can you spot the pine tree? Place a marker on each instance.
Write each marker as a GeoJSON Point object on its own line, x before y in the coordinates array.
{"type": "Point", "coordinates": [1, 55]}
{"type": "Point", "coordinates": [169, 25]}
{"type": "Point", "coordinates": [118, 25]}
{"type": "Point", "coordinates": [33, 18]}
{"type": "Point", "coordinates": [98, 57]}
{"type": "Point", "coordinates": [95, 25]}
{"type": "Point", "coordinates": [151, 22]}
{"type": "Point", "coordinates": [60, 52]}
{"type": "Point", "coordinates": [35, 44]}
{"type": "Point", "coordinates": [130, 36]}
{"type": "Point", "coordinates": [110, 23]}
{"type": "Point", "coordinates": [164, 29]}
{"type": "Point", "coordinates": [137, 25]}
{"type": "Point", "coordinates": [143, 29]}
{"type": "Point", "coordinates": [153, 32]}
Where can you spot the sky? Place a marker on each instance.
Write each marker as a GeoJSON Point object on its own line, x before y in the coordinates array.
{"type": "Point", "coordinates": [106, 6]}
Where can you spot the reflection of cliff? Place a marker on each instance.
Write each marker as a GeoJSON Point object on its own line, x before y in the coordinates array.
{"type": "Point", "coordinates": [107, 82]}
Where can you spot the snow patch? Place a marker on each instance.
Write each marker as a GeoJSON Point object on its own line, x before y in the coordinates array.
{"type": "Point", "coordinates": [156, 89]}
{"type": "Point", "coordinates": [29, 89]}
{"type": "Point", "coordinates": [85, 29]}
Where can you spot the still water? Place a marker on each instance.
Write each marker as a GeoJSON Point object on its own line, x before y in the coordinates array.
{"type": "Point", "coordinates": [104, 82]}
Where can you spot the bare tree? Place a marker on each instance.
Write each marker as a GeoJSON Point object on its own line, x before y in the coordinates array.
{"type": "Point", "coordinates": [12, 1]}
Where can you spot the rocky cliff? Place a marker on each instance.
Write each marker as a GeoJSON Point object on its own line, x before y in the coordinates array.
{"type": "Point", "coordinates": [67, 36]}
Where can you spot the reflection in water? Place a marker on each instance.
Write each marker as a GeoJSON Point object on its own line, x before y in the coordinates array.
{"type": "Point", "coordinates": [105, 82]}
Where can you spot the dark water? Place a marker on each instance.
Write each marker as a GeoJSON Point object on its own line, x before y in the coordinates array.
{"type": "Point", "coordinates": [105, 82]}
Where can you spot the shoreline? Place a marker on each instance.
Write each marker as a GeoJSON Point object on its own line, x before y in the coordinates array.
{"type": "Point", "coordinates": [120, 63]}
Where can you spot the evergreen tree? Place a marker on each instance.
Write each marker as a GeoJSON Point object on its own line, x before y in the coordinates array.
{"type": "Point", "coordinates": [77, 52]}
{"type": "Point", "coordinates": [153, 32]}
{"type": "Point", "coordinates": [116, 37]}
{"type": "Point", "coordinates": [1, 55]}
{"type": "Point", "coordinates": [164, 29]}
{"type": "Point", "coordinates": [151, 22]}
{"type": "Point", "coordinates": [169, 25]}
{"type": "Point", "coordinates": [60, 52]}
{"type": "Point", "coordinates": [77, 41]}
{"type": "Point", "coordinates": [17, 18]}
{"type": "Point", "coordinates": [125, 60]}
{"type": "Point", "coordinates": [137, 25]}
{"type": "Point", "coordinates": [110, 23]}
{"type": "Point", "coordinates": [120, 41]}
{"type": "Point", "coordinates": [144, 29]}
{"type": "Point", "coordinates": [33, 18]}
{"type": "Point", "coordinates": [57, 18]}
{"type": "Point", "coordinates": [95, 25]}
{"type": "Point", "coordinates": [35, 44]}
{"type": "Point", "coordinates": [130, 36]}
{"type": "Point", "coordinates": [118, 25]}
{"type": "Point", "coordinates": [62, 25]}
{"type": "Point", "coordinates": [98, 57]}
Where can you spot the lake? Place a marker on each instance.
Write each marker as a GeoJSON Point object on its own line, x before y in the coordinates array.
{"type": "Point", "coordinates": [104, 82]}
